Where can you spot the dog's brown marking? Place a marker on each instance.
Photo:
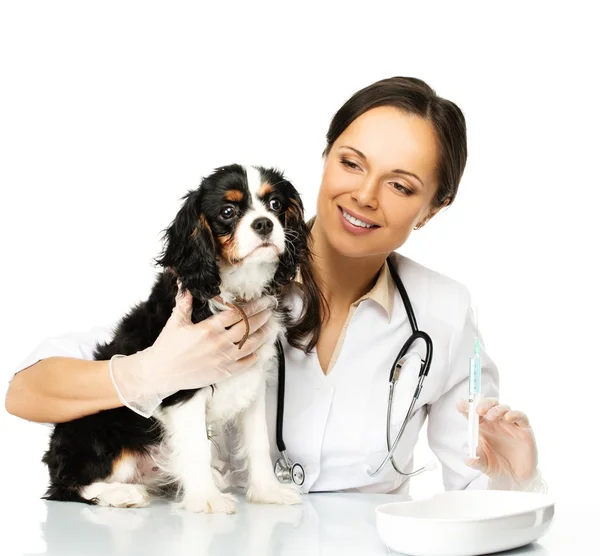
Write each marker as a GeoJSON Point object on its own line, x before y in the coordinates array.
{"type": "Point", "coordinates": [225, 240]}
{"type": "Point", "coordinates": [229, 248]}
{"type": "Point", "coordinates": [126, 457]}
{"type": "Point", "coordinates": [293, 214]}
{"type": "Point", "coordinates": [265, 189]}
{"type": "Point", "coordinates": [234, 195]}
{"type": "Point", "coordinates": [204, 225]}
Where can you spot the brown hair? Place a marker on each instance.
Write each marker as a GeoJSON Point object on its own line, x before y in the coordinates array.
{"type": "Point", "coordinates": [413, 96]}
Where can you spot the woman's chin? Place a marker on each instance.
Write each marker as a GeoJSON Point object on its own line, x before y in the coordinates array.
{"type": "Point", "coordinates": [351, 247]}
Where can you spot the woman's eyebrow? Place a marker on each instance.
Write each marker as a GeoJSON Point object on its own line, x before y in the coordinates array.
{"type": "Point", "coordinates": [397, 171]}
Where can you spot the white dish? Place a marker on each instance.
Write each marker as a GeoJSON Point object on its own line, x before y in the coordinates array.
{"type": "Point", "coordinates": [464, 522]}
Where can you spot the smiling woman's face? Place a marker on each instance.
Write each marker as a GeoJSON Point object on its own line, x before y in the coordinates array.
{"type": "Point", "coordinates": [378, 183]}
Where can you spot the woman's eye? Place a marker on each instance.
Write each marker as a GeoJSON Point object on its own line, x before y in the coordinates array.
{"type": "Point", "coordinates": [350, 165]}
{"type": "Point", "coordinates": [275, 204]}
{"type": "Point", "coordinates": [227, 213]}
{"type": "Point", "coordinates": [402, 188]}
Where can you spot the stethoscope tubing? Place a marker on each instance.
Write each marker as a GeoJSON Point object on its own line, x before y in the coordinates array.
{"type": "Point", "coordinates": [394, 371]}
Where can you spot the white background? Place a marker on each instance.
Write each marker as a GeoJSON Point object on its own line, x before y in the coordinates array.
{"type": "Point", "coordinates": [111, 111]}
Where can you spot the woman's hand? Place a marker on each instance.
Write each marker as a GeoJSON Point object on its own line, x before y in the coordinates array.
{"type": "Point", "coordinates": [187, 356]}
{"type": "Point", "coordinates": [507, 451]}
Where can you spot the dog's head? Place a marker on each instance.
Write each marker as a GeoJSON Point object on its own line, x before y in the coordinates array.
{"type": "Point", "coordinates": [240, 234]}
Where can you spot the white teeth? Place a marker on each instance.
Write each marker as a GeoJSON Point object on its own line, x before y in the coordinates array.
{"type": "Point", "coordinates": [356, 221]}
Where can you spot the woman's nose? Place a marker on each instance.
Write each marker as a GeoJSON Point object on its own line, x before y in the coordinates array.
{"type": "Point", "coordinates": [366, 194]}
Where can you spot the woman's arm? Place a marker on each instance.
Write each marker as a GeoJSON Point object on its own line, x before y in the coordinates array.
{"type": "Point", "coordinates": [508, 456]}
{"type": "Point", "coordinates": [61, 380]}
{"type": "Point", "coordinates": [59, 389]}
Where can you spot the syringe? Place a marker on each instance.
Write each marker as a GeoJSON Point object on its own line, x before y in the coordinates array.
{"type": "Point", "coordinates": [474, 397]}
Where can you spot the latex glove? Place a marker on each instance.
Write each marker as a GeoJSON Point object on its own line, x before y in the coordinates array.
{"type": "Point", "coordinates": [507, 451]}
{"type": "Point", "coordinates": [187, 356]}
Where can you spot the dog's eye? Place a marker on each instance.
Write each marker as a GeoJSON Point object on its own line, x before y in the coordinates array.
{"type": "Point", "coordinates": [275, 204]}
{"type": "Point", "coordinates": [227, 212]}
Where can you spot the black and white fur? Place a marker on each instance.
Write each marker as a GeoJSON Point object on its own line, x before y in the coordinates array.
{"type": "Point", "coordinates": [104, 458]}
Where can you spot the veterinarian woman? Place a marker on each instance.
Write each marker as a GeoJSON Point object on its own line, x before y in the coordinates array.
{"type": "Point", "coordinates": [394, 157]}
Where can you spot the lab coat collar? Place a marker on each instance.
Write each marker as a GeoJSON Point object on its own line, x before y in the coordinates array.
{"type": "Point", "coordinates": [382, 291]}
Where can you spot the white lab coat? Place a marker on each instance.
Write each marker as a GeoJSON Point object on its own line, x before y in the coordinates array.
{"type": "Point", "coordinates": [335, 424]}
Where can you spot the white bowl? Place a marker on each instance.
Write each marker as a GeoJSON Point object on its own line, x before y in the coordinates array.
{"type": "Point", "coordinates": [464, 522]}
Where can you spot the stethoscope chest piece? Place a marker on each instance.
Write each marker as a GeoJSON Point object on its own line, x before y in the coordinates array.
{"type": "Point", "coordinates": [287, 473]}
{"type": "Point", "coordinates": [298, 474]}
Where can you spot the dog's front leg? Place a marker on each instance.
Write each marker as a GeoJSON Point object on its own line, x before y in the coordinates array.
{"type": "Point", "coordinates": [190, 458]}
{"type": "Point", "coordinates": [263, 487]}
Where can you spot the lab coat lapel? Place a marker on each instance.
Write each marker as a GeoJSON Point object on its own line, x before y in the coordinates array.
{"type": "Point", "coordinates": [308, 396]}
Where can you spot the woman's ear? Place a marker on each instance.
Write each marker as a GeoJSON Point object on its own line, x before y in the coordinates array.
{"type": "Point", "coordinates": [431, 213]}
{"type": "Point", "coordinates": [190, 250]}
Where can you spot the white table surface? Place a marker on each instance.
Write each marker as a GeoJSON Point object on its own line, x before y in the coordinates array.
{"type": "Point", "coordinates": [324, 524]}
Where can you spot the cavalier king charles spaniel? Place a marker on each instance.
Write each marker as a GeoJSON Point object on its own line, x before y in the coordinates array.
{"type": "Point", "coordinates": [239, 236]}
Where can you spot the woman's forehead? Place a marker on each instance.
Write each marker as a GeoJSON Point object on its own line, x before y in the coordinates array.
{"type": "Point", "coordinates": [390, 139]}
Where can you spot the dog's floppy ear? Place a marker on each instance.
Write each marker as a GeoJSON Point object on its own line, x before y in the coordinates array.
{"type": "Point", "coordinates": [190, 250]}
{"type": "Point", "coordinates": [296, 241]}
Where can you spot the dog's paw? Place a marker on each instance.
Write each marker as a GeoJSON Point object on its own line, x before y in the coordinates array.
{"type": "Point", "coordinates": [117, 495]}
{"type": "Point", "coordinates": [273, 493]}
{"type": "Point", "coordinates": [215, 503]}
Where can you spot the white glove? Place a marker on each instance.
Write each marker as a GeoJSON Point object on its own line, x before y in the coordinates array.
{"type": "Point", "coordinates": [187, 356]}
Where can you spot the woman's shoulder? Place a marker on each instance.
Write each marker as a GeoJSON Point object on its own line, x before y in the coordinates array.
{"type": "Point", "coordinates": [426, 283]}
{"type": "Point", "coordinates": [80, 344]}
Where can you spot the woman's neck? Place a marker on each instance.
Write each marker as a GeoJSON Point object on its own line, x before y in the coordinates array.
{"type": "Point", "coordinates": [342, 279]}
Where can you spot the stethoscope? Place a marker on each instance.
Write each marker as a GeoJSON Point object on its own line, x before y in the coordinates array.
{"type": "Point", "coordinates": [287, 472]}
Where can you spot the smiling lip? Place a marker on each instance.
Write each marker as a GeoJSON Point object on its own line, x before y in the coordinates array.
{"type": "Point", "coordinates": [351, 228]}
{"type": "Point", "coordinates": [357, 216]}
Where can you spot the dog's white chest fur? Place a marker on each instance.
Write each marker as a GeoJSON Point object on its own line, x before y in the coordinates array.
{"type": "Point", "coordinates": [236, 393]}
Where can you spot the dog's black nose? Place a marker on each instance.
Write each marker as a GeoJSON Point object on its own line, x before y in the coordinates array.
{"type": "Point", "coordinates": [263, 226]}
